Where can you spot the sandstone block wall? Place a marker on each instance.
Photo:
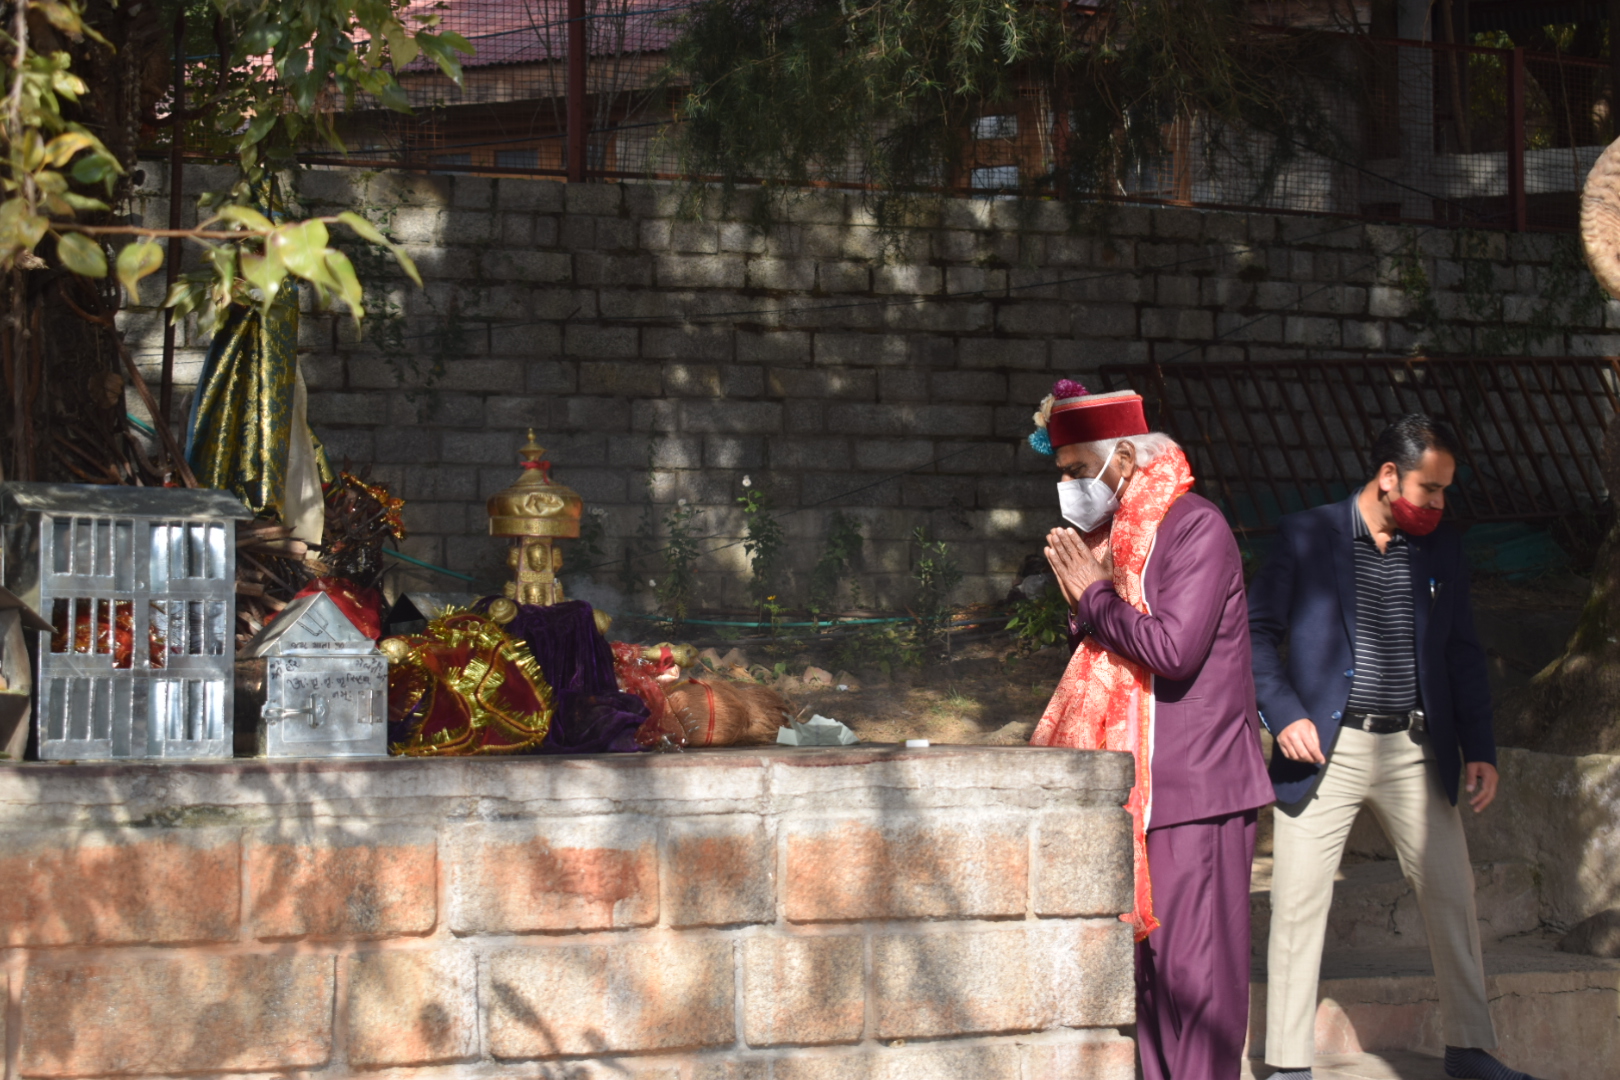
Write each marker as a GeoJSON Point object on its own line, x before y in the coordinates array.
{"type": "Point", "coordinates": [724, 915]}
{"type": "Point", "coordinates": [1553, 813]}
{"type": "Point", "coordinates": [662, 358]}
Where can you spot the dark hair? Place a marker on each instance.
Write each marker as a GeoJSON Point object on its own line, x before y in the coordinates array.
{"type": "Point", "coordinates": [1405, 441]}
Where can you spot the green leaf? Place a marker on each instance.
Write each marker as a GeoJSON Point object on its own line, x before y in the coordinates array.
{"type": "Point", "coordinates": [61, 16]}
{"type": "Point", "coordinates": [19, 227]}
{"type": "Point", "coordinates": [94, 168]}
{"type": "Point", "coordinates": [247, 217]}
{"type": "Point", "coordinates": [83, 202]}
{"type": "Point", "coordinates": [401, 46]}
{"type": "Point", "coordinates": [393, 97]}
{"type": "Point", "coordinates": [81, 255]}
{"type": "Point", "coordinates": [60, 150]}
{"type": "Point", "coordinates": [136, 261]}
{"type": "Point", "coordinates": [407, 264]}
{"type": "Point", "coordinates": [258, 129]}
{"type": "Point", "coordinates": [184, 297]}
{"type": "Point", "coordinates": [302, 250]}
{"type": "Point", "coordinates": [440, 49]}
{"type": "Point", "coordinates": [265, 273]}
{"type": "Point", "coordinates": [348, 283]}
{"type": "Point", "coordinates": [365, 229]}
{"type": "Point", "coordinates": [224, 259]}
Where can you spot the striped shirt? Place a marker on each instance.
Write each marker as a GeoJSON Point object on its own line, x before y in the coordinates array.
{"type": "Point", "coordinates": [1385, 678]}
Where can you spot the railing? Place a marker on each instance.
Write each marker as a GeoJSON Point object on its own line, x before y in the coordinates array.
{"type": "Point", "coordinates": [1412, 132]}
{"type": "Point", "coordinates": [1267, 439]}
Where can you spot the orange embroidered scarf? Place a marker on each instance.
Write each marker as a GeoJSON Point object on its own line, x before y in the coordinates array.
{"type": "Point", "coordinates": [1105, 701]}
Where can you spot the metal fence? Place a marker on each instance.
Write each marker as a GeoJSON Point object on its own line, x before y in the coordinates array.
{"type": "Point", "coordinates": [1415, 132]}
{"type": "Point", "coordinates": [565, 88]}
{"type": "Point", "coordinates": [1268, 439]}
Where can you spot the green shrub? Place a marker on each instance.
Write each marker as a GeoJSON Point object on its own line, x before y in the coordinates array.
{"type": "Point", "coordinates": [937, 575]}
{"type": "Point", "coordinates": [763, 542]}
{"type": "Point", "coordinates": [680, 556]}
{"type": "Point", "coordinates": [887, 647]}
{"type": "Point", "coordinates": [838, 554]}
{"type": "Point", "coordinates": [1040, 621]}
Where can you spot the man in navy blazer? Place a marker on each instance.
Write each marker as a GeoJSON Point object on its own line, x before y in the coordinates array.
{"type": "Point", "coordinates": [1382, 701]}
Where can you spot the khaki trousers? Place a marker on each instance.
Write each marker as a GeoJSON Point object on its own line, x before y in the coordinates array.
{"type": "Point", "coordinates": [1394, 775]}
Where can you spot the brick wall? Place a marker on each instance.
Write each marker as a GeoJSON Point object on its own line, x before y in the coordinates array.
{"type": "Point", "coordinates": [724, 915]}
{"type": "Point", "coordinates": [661, 357]}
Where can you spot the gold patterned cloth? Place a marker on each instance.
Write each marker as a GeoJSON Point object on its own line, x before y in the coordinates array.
{"type": "Point", "coordinates": [464, 687]}
{"type": "Point", "coordinates": [247, 433]}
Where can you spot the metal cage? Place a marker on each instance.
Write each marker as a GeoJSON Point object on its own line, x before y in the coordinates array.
{"type": "Point", "coordinates": [139, 585]}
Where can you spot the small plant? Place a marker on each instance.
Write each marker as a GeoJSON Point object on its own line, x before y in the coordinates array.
{"type": "Point", "coordinates": [763, 542]}
{"type": "Point", "coordinates": [887, 648]}
{"type": "Point", "coordinates": [774, 612]}
{"type": "Point", "coordinates": [587, 548]}
{"type": "Point", "coordinates": [839, 551]}
{"type": "Point", "coordinates": [680, 555]}
{"type": "Point", "coordinates": [1040, 621]}
{"type": "Point", "coordinates": [645, 540]}
{"type": "Point", "coordinates": [937, 575]}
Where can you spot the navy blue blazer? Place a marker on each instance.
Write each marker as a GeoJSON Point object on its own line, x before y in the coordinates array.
{"type": "Point", "coordinates": [1306, 594]}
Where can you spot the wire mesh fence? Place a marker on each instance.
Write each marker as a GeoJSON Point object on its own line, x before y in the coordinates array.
{"type": "Point", "coordinates": [1270, 438]}
{"type": "Point", "coordinates": [511, 112]}
{"type": "Point", "coordinates": [1411, 131]}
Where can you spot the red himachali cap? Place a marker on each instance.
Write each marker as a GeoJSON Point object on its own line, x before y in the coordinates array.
{"type": "Point", "coordinates": [1096, 416]}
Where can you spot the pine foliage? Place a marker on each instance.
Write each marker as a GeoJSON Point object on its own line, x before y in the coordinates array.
{"type": "Point", "coordinates": [797, 92]}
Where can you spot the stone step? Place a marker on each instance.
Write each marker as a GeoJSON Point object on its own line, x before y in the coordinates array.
{"type": "Point", "coordinates": [1375, 907]}
{"type": "Point", "coordinates": [1557, 1015]}
{"type": "Point", "coordinates": [1386, 1065]}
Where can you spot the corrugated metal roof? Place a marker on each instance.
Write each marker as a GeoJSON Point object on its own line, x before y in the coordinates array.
{"type": "Point", "coordinates": [110, 500]}
{"type": "Point", "coordinates": [536, 31]}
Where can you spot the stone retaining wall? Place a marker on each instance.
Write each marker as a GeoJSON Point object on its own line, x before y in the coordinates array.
{"type": "Point", "coordinates": [663, 358]}
{"type": "Point", "coordinates": [1557, 813]}
{"type": "Point", "coordinates": [716, 915]}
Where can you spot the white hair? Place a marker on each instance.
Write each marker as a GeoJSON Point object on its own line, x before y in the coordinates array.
{"type": "Point", "coordinates": [1148, 446]}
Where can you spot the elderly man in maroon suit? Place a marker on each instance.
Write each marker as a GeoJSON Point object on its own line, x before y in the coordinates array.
{"type": "Point", "coordinates": [1161, 668]}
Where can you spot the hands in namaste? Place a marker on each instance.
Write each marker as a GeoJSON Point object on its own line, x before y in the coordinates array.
{"type": "Point", "coordinates": [1073, 564]}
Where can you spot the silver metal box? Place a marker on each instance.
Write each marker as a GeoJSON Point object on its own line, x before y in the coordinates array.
{"type": "Point", "coordinates": [16, 672]}
{"type": "Point", "coordinates": [140, 587]}
{"type": "Point", "coordinates": [325, 684]}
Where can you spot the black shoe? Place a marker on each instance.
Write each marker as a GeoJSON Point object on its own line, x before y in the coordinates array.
{"type": "Point", "coordinates": [1473, 1064]}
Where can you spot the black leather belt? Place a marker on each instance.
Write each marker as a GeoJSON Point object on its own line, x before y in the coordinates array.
{"type": "Point", "coordinates": [1383, 723]}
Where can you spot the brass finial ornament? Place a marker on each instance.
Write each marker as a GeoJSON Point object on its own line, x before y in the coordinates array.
{"type": "Point", "coordinates": [534, 512]}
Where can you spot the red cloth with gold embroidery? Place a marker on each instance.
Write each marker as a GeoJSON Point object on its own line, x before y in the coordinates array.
{"type": "Point", "coordinates": [639, 676]}
{"type": "Point", "coordinates": [465, 687]}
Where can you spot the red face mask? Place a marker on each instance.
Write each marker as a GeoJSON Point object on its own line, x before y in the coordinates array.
{"type": "Point", "coordinates": [1416, 520]}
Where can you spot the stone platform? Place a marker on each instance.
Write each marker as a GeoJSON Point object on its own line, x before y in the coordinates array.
{"type": "Point", "coordinates": [717, 915]}
{"type": "Point", "coordinates": [1557, 1015]}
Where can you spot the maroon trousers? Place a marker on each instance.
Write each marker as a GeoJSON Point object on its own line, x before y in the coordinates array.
{"type": "Point", "coordinates": [1192, 973]}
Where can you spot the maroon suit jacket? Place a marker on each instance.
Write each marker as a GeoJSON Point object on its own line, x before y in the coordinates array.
{"type": "Point", "coordinates": [1195, 640]}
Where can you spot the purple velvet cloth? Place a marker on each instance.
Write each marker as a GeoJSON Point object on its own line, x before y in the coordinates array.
{"type": "Point", "coordinates": [1195, 640]}
{"type": "Point", "coordinates": [592, 714]}
{"type": "Point", "coordinates": [1192, 973]}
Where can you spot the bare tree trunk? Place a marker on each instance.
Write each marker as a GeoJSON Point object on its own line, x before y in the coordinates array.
{"type": "Point", "coordinates": [62, 417]}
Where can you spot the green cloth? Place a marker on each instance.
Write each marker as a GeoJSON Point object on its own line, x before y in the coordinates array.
{"type": "Point", "coordinates": [241, 417]}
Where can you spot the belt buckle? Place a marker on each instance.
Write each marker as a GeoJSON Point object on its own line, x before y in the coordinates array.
{"type": "Point", "coordinates": [1375, 723]}
{"type": "Point", "coordinates": [1418, 721]}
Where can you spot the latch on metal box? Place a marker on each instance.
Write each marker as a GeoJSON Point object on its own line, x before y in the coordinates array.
{"type": "Point", "coordinates": [326, 685]}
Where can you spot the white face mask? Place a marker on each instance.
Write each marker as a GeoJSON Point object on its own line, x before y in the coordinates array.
{"type": "Point", "coordinates": [1087, 503]}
